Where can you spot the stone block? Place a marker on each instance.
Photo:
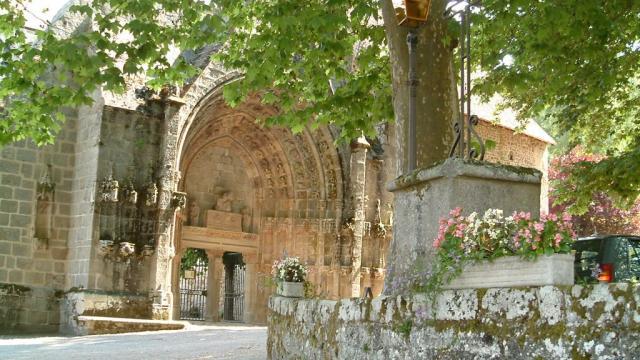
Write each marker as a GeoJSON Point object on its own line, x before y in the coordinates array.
{"type": "Point", "coordinates": [6, 192]}
{"type": "Point", "coordinates": [15, 276]}
{"type": "Point", "coordinates": [20, 250]}
{"type": "Point", "coordinates": [4, 219]}
{"type": "Point", "coordinates": [37, 317]}
{"type": "Point", "coordinates": [59, 254]}
{"type": "Point", "coordinates": [44, 266]}
{"type": "Point", "coordinates": [4, 275]}
{"type": "Point", "coordinates": [11, 180]}
{"type": "Point", "coordinates": [59, 267]}
{"type": "Point", "coordinates": [24, 194]}
{"type": "Point", "coordinates": [9, 234]}
{"type": "Point", "coordinates": [223, 220]}
{"type": "Point", "coordinates": [9, 206]}
{"type": "Point", "coordinates": [28, 184]}
{"type": "Point", "coordinates": [25, 208]}
{"type": "Point", "coordinates": [34, 278]}
{"type": "Point", "coordinates": [26, 170]}
{"type": "Point", "coordinates": [8, 152]}
{"type": "Point", "coordinates": [20, 221]}
{"type": "Point", "coordinates": [426, 195]}
{"type": "Point", "coordinates": [513, 271]}
{"type": "Point", "coordinates": [26, 155]}
{"type": "Point", "coordinates": [8, 166]}
{"type": "Point", "coordinates": [24, 263]}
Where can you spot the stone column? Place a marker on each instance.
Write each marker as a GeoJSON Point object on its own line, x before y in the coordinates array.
{"type": "Point", "coordinates": [175, 285]}
{"type": "Point", "coordinates": [214, 276]}
{"type": "Point", "coordinates": [250, 289]}
{"type": "Point", "coordinates": [168, 178]}
{"type": "Point", "coordinates": [358, 180]}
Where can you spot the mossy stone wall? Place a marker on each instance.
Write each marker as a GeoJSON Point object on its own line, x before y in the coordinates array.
{"type": "Point", "coordinates": [594, 322]}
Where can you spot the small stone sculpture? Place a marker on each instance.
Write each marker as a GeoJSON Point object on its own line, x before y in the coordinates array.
{"type": "Point", "coordinates": [152, 194]}
{"type": "Point", "coordinates": [224, 202]}
{"type": "Point", "coordinates": [194, 213]}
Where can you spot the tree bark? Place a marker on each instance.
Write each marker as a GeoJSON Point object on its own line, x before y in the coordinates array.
{"type": "Point", "coordinates": [436, 99]}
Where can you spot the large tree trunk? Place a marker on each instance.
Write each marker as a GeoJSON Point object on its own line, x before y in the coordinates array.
{"type": "Point", "coordinates": [436, 110]}
{"type": "Point", "coordinates": [436, 93]}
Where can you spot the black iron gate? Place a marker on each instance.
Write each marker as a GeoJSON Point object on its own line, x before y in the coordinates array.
{"type": "Point", "coordinates": [193, 292]}
{"type": "Point", "coordinates": [234, 293]}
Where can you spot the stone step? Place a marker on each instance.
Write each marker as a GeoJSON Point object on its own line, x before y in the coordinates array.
{"type": "Point", "coordinates": [97, 325]}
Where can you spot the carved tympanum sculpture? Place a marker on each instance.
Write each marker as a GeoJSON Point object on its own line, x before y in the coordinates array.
{"type": "Point", "coordinates": [224, 202]}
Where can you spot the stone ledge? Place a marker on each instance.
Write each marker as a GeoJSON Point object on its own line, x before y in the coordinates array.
{"type": "Point", "coordinates": [600, 321]}
{"type": "Point", "coordinates": [97, 325]}
{"type": "Point", "coordinates": [454, 167]}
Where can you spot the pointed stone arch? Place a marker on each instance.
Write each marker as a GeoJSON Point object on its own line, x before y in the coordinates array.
{"type": "Point", "coordinates": [296, 179]}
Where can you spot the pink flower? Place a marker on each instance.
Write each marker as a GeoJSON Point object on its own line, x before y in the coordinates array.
{"type": "Point", "coordinates": [539, 227]}
{"type": "Point", "coordinates": [438, 241]}
{"type": "Point", "coordinates": [558, 239]}
{"type": "Point", "coordinates": [456, 212]}
{"type": "Point", "coordinates": [566, 217]}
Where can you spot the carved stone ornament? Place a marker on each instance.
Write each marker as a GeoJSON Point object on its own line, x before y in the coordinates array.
{"type": "Point", "coordinates": [126, 249]}
{"type": "Point", "coordinates": [46, 187]}
{"type": "Point", "coordinates": [108, 189]}
{"type": "Point", "coordinates": [129, 193]}
{"type": "Point", "coordinates": [106, 248]}
{"type": "Point", "coordinates": [178, 200]}
{"type": "Point", "coordinates": [147, 250]}
{"type": "Point", "coordinates": [151, 194]}
{"type": "Point", "coordinates": [377, 273]}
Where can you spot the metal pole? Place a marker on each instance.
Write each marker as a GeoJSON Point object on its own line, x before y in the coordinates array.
{"type": "Point", "coordinates": [412, 42]}
{"type": "Point", "coordinates": [463, 141]}
{"type": "Point", "coordinates": [467, 28]}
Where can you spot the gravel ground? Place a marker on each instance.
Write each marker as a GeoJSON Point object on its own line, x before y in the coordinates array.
{"type": "Point", "coordinates": [194, 342]}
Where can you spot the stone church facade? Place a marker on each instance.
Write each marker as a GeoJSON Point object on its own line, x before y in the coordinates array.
{"type": "Point", "coordinates": [97, 223]}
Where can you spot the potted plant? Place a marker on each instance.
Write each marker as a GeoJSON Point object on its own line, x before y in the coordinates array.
{"type": "Point", "coordinates": [491, 250]}
{"type": "Point", "coordinates": [289, 275]}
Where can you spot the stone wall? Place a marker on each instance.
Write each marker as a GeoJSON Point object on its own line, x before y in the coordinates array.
{"type": "Point", "coordinates": [33, 233]}
{"type": "Point", "coordinates": [29, 309]}
{"type": "Point", "coordinates": [517, 149]}
{"type": "Point", "coordinates": [601, 322]}
{"type": "Point", "coordinates": [112, 304]}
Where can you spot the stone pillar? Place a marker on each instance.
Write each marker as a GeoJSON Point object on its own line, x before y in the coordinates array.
{"type": "Point", "coordinates": [168, 178]}
{"type": "Point", "coordinates": [358, 180]}
{"type": "Point", "coordinates": [214, 276]}
{"type": "Point", "coordinates": [428, 194]}
{"type": "Point", "coordinates": [175, 285]}
{"type": "Point", "coordinates": [250, 289]}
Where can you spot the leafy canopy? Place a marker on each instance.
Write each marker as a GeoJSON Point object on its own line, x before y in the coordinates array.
{"type": "Point", "coordinates": [288, 50]}
{"type": "Point", "coordinates": [574, 63]}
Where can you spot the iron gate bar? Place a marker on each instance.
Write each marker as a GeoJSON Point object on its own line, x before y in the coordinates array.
{"type": "Point", "coordinates": [234, 294]}
{"type": "Point", "coordinates": [193, 293]}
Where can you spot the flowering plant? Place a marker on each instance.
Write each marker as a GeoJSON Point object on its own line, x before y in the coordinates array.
{"type": "Point", "coordinates": [493, 235]}
{"type": "Point", "coordinates": [289, 269]}
{"type": "Point", "coordinates": [464, 239]}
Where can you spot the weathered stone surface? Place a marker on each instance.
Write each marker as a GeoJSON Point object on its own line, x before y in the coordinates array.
{"type": "Point", "coordinates": [513, 271]}
{"type": "Point", "coordinates": [425, 196]}
{"type": "Point", "coordinates": [599, 322]}
{"type": "Point", "coordinates": [96, 325]}
{"type": "Point", "coordinates": [108, 304]}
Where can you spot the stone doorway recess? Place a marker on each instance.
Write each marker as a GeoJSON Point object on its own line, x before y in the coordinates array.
{"type": "Point", "coordinates": [194, 268]}
{"type": "Point", "coordinates": [234, 286]}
